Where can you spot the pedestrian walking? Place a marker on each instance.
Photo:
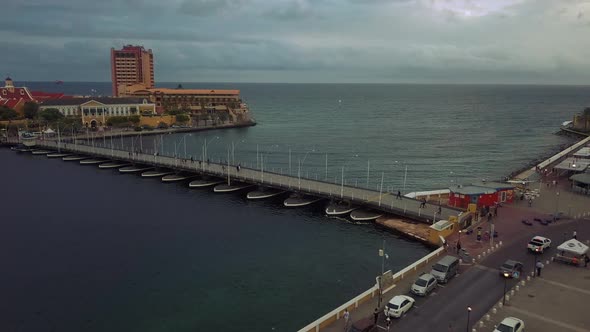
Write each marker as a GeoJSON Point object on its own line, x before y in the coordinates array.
{"type": "Point", "coordinates": [539, 266]}
{"type": "Point", "coordinates": [346, 319]}
{"type": "Point", "coordinates": [575, 235]}
{"type": "Point", "coordinates": [376, 315]}
{"type": "Point", "coordinates": [479, 235]}
{"type": "Point", "coordinates": [586, 260]}
{"type": "Point", "coordinates": [530, 202]}
{"type": "Point", "coordinates": [496, 210]}
{"type": "Point", "coordinates": [439, 209]}
{"type": "Point", "coordinates": [458, 247]}
{"type": "Point", "coordinates": [399, 195]}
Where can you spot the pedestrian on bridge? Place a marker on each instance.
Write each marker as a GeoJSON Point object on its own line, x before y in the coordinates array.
{"type": "Point", "coordinates": [399, 195]}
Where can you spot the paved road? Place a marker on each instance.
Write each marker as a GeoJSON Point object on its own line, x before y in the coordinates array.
{"type": "Point", "coordinates": [480, 287]}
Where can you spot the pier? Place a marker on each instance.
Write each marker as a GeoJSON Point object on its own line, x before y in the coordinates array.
{"type": "Point", "coordinates": [366, 199]}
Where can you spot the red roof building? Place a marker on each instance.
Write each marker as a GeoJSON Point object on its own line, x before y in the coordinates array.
{"type": "Point", "coordinates": [16, 97]}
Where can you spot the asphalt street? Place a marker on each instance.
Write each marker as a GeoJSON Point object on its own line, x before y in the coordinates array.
{"type": "Point", "coordinates": [480, 286]}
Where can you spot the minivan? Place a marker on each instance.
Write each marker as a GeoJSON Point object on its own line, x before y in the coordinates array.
{"type": "Point", "coordinates": [445, 269]}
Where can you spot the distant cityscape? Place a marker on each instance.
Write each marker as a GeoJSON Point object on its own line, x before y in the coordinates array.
{"type": "Point", "coordinates": [134, 94]}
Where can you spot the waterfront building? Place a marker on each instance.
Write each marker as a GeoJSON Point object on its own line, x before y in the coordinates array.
{"type": "Point", "coordinates": [481, 194]}
{"type": "Point", "coordinates": [582, 120]}
{"type": "Point", "coordinates": [95, 111]}
{"type": "Point", "coordinates": [131, 65]}
{"type": "Point", "coordinates": [16, 97]}
{"type": "Point", "coordinates": [195, 101]}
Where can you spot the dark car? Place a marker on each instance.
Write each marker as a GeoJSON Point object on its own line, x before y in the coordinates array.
{"type": "Point", "coordinates": [511, 269]}
{"type": "Point", "coordinates": [363, 325]}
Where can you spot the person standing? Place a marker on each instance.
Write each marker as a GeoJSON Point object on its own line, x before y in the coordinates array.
{"type": "Point", "coordinates": [539, 266]}
{"type": "Point", "coordinates": [376, 315]}
{"type": "Point", "coordinates": [575, 235]}
{"type": "Point", "coordinates": [399, 195]}
{"type": "Point", "coordinates": [530, 202]}
{"type": "Point", "coordinates": [388, 323]}
{"type": "Point", "coordinates": [346, 319]}
{"type": "Point", "coordinates": [458, 247]}
{"type": "Point", "coordinates": [586, 260]}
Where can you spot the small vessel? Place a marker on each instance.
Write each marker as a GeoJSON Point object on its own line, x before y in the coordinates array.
{"type": "Point", "coordinates": [264, 193]}
{"type": "Point", "coordinates": [58, 155]}
{"type": "Point", "coordinates": [225, 188]}
{"type": "Point", "coordinates": [339, 208]}
{"type": "Point", "coordinates": [135, 168]}
{"type": "Point", "coordinates": [176, 177]}
{"type": "Point", "coordinates": [202, 183]}
{"type": "Point", "coordinates": [74, 158]}
{"type": "Point", "coordinates": [113, 164]}
{"type": "Point", "coordinates": [365, 215]}
{"type": "Point", "coordinates": [40, 152]}
{"type": "Point", "coordinates": [298, 200]}
{"type": "Point", "coordinates": [156, 173]}
{"type": "Point", "coordinates": [93, 161]}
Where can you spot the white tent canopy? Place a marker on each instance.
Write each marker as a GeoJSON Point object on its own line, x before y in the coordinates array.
{"type": "Point", "coordinates": [49, 131]}
{"type": "Point", "coordinates": [573, 246]}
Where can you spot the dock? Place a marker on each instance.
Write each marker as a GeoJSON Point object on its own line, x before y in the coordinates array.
{"type": "Point", "coordinates": [366, 199]}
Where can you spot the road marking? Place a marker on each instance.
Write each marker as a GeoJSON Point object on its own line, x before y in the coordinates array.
{"type": "Point", "coordinates": [558, 284]}
{"type": "Point", "coordinates": [545, 319]}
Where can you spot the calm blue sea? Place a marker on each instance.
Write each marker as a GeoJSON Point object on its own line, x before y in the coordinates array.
{"type": "Point", "coordinates": [91, 250]}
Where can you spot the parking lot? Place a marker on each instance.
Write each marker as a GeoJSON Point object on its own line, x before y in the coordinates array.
{"type": "Point", "coordinates": [557, 301]}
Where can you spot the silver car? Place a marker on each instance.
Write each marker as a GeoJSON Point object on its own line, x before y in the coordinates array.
{"type": "Point", "coordinates": [424, 284]}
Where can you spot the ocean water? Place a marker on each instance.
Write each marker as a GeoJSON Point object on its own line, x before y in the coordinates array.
{"type": "Point", "coordinates": [93, 250]}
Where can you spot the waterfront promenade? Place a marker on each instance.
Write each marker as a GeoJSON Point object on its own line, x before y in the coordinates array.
{"type": "Point", "coordinates": [372, 199]}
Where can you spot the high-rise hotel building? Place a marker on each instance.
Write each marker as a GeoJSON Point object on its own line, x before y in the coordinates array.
{"type": "Point", "coordinates": [131, 65]}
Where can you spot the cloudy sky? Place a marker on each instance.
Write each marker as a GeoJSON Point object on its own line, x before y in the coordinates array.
{"type": "Point", "coordinates": [415, 41]}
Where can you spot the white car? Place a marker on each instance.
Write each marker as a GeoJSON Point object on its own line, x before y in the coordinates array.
{"type": "Point", "coordinates": [424, 284]}
{"type": "Point", "coordinates": [510, 324]}
{"type": "Point", "coordinates": [539, 244]}
{"type": "Point", "coordinates": [398, 305]}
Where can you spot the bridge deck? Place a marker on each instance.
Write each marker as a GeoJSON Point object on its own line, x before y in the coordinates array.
{"type": "Point", "coordinates": [405, 207]}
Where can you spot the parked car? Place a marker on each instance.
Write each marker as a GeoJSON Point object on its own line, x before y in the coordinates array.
{"type": "Point", "coordinates": [445, 269]}
{"type": "Point", "coordinates": [424, 284]}
{"type": "Point", "coordinates": [511, 269]}
{"type": "Point", "coordinates": [398, 305]}
{"type": "Point", "coordinates": [539, 244]}
{"type": "Point", "coordinates": [363, 325]}
{"type": "Point", "coordinates": [510, 324]}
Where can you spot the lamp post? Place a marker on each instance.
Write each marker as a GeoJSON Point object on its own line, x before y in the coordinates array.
{"type": "Point", "coordinates": [557, 204]}
{"type": "Point", "coordinates": [468, 314]}
{"type": "Point", "coordinates": [207, 145]}
{"type": "Point", "coordinates": [299, 169]}
{"type": "Point", "coordinates": [233, 150]}
{"type": "Point", "coordinates": [342, 179]}
{"type": "Point", "coordinates": [506, 275]}
{"type": "Point", "coordinates": [383, 257]}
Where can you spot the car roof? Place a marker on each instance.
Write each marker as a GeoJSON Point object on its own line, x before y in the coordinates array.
{"type": "Point", "coordinates": [426, 276]}
{"type": "Point", "coordinates": [398, 299]}
{"type": "Point", "coordinates": [540, 238]}
{"type": "Point", "coordinates": [510, 321]}
{"type": "Point", "coordinates": [447, 260]}
{"type": "Point", "coordinates": [511, 262]}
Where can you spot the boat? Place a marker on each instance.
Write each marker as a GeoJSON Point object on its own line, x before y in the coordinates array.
{"type": "Point", "coordinates": [58, 155]}
{"type": "Point", "coordinates": [40, 152]}
{"type": "Point", "coordinates": [74, 158]}
{"type": "Point", "coordinates": [365, 215]}
{"type": "Point", "coordinates": [202, 183]}
{"type": "Point", "coordinates": [176, 177]}
{"type": "Point", "coordinates": [339, 208]}
{"type": "Point", "coordinates": [156, 173]}
{"type": "Point", "coordinates": [135, 168]}
{"type": "Point", "coordinates": [264, 193]}
{"type": "Point", "coordinates": [227, 188]}
{"type": "Point", "coordinates": [93, 161]}
{"type": "Point", "coordinates": [113, 164]}
{"type": "Point", "coordinates": [298, 200]}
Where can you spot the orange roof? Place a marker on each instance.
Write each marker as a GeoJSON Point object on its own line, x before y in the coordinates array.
{"type": "Point", "coordinates": [191, 91]}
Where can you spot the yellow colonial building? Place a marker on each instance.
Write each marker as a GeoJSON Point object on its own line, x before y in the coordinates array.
{"type": "Point", "coordinates": [95, 111]}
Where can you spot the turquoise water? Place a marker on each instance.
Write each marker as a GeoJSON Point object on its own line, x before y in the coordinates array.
{"type": "Point", "coordinates": [94, 250]}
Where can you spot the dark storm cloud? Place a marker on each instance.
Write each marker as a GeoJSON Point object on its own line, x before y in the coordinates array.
{"type": "Point", "coordinates": [294, 40]}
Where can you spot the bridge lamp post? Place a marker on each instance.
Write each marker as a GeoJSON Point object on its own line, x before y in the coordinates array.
{"type": "Point", "coordinates": [300, 162]}
{"type": "Point", "coordinates": [383, 256]}
{"type": "Point", "coordinates": [506, 275]}
{"type": "Point", "coordinates": [233, 150]}
{"type": "Point", "coordinates": [468, 316]}
{"type": "Point", "coordinates": [342, 180]}
{"type": "Point", "coordinates": [207, 142]}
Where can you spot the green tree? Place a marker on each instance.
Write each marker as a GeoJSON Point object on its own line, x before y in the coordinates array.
{"type": "Point", "coordinates": [50, 115]}
{"type": "Point", "coordinates": [7, 113]}
{"type": "Point", "coordinates": [182, 118]}
{"type": "Point", "coordinates": [30, 109]}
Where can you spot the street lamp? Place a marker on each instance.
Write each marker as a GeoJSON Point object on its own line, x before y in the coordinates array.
{"type": "Point", "coordinates": [557, 204]}
{"type": "Point", "coordinates": [383, 256]}
{"type": "Point", "coordinates": [233, 150]}
{"type": "Point", "coordinates": [468, 314]}
{"type": "Point", "coordinates": [342, 180]}
{"type": "Point", "coordinates": [207, 142]}
{"type": "Point", "coordinates": [506, 275]}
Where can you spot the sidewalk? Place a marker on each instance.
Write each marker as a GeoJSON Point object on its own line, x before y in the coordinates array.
{"type": "Point", "coordinates": [557, 301]}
